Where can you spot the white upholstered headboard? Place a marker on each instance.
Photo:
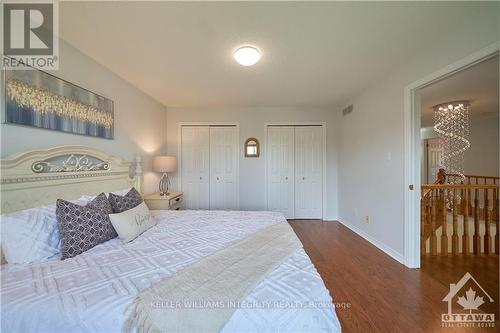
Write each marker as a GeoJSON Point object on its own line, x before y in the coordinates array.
{"type": "Point", "coordinates": [40, 177]}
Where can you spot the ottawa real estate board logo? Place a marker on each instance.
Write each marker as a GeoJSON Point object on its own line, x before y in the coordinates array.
{"type": "Point", "coordinates": [470, 296]}
{"type": "Point", "coordinates": [30, 36]}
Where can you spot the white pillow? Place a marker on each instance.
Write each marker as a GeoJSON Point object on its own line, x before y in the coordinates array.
{"type": "Point", "coordinates": [118, 192]}
{"type": "Point", "coordinates": [133, 222]}
{"type": "Point", "coordinates": [31, 235]}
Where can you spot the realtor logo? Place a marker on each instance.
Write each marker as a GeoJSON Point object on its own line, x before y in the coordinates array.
{"type": "Point", "coordinates": [30, 34]}
{"type": "Point", "coordinates": [469, 294]}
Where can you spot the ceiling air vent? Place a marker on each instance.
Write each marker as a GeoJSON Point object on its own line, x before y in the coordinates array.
{"type": "Point", "coordinates": [347, 110]}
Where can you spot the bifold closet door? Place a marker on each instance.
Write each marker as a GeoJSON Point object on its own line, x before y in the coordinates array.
{"type": "Point", "coordinates": [308, 172]}
{"type": "Point", "coordinates": [280, 170]}
{"type": "Point", "coordinates": [224, 167]}
{"type": "Point", "coordinates": [195, 166]}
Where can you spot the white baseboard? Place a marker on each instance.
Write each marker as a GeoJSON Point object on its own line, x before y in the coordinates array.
{"type": "Point", "coordinates": [387, 249]}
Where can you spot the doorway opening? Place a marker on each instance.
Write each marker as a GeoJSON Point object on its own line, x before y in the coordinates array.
{"type": "Point", "coordinates": [413, 147]}
{"type": "Point", "coordinates": [452, 216]}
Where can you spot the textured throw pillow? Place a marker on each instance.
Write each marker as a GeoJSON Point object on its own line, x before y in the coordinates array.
{"type": "Point", "coordinates": [83, 227]}
{"type": "Point", "coordinates": [133, 222]}
{"type": "Point", "coordinates": [128, 201]}
{"type": "Point", "coordinates": [31, 235]}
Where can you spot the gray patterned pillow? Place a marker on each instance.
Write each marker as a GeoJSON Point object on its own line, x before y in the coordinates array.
{"type": "Point", "coordinates": [83, 227]}
{"type": "Point", "coordinates": [128, 201]}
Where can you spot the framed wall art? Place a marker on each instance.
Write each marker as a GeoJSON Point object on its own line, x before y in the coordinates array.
{"type": "Point", "coordinates": [38, 99]}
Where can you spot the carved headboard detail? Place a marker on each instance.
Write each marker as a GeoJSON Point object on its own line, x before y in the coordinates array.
{"type": "Point", "coordinates": [40, 177]}
{"type": "Point", "coordinates": [70, 163]}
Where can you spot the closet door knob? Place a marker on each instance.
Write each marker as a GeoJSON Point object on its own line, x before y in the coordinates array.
{"type": "Point", "coordinates": [218, 178]}
{"type": "Point", "coordinates": [201, 178]}
{"type": "Point", "coordinates": [286, 178]}
{"type": "Point", "coordinates": [303, 178]}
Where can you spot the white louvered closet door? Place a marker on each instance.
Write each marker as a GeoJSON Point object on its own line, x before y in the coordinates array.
{"type": "Point", "coordinates": [224, 168]}
{"type": "Point", "coordinates": [308, 172]}
{"type": "Point", "coordinates": [195, 166]}
{"type": "Point", "coordinates": [280, 170]}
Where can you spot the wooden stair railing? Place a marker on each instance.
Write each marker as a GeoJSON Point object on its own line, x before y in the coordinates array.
{"type": "Point", "coordinates": [471, 179]}
{"type": "Point", "coordinates": [473, 209]}
{"type": "Point", "coordinates": [427, 211]}
{"type": "Point", "coordinates": [450, 178]}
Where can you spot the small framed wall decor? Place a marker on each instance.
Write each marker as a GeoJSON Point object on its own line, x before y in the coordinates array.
{"type": "Point", "coordinates": [252, 147]}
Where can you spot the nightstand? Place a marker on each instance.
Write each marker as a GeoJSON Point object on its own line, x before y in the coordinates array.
{"type": "Point", "coordinates": [171, 202]}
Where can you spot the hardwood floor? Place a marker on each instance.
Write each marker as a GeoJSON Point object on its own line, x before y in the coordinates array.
{"type": "Point", "coordinates": [384, 295]}
{"type": "Point", "coordinates": [452, 268]}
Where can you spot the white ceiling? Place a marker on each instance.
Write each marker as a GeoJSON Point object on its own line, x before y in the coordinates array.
{"type": "Point", "coordinates": [320, 53]}
{"type": "Point", "coordinates": [477, 84]}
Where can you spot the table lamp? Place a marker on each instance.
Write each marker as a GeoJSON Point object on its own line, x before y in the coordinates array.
{"type": "Point", "coordinates": [164, 164]}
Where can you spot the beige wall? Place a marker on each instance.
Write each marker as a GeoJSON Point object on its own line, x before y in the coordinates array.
{"type": "Point", "coordinates": [139, 120]}
{"type": "Point", "coordinates": [482, 158]}
{"type": "Point", "coordinates": [371, 169]}
{"type": "Point", "coordinates": [251, 121]}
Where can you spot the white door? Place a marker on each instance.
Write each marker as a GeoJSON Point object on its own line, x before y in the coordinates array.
{"type": "Point", "coordinates": [224, 168]}
{"type": "Point", "coordinates": [308, 172]}
{"type": "Point", "coordinates": [434, 159]}
{"type": "Point", "coordinates": [195, 166]}
{"type": "Point", "coordinates": [280, 170]}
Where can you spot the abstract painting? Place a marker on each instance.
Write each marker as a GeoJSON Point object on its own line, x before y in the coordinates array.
{"type": "Point", "coordinates": [38, 99]}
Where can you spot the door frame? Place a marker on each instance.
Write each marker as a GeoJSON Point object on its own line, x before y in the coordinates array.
{"type": "Point", "coordinates": [299, 123]}
{"type": "Point", "coordinates": [208, 123]}
{"type": "Point", "coordinates": [412, 148]}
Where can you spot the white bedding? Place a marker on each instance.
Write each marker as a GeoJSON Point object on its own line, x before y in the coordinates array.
{"type": "Point", "coordinates": [89, 293]}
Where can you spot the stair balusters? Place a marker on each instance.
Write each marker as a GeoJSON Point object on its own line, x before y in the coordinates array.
{"type": "Point", "coordinates": [470, 218]}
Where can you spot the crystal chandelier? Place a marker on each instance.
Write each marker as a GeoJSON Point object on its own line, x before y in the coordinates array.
{"type": "Point", "coordinates": [451, 122]}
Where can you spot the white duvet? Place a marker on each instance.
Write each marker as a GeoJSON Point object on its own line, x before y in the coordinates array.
{"type": "Point", "coordinates": [90, 293]}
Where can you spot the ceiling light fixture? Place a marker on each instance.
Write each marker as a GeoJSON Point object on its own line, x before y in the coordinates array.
{"type": "Point", "coordinates": [451, 122]}
{"type": "Point", "coordinates": [247, 55]}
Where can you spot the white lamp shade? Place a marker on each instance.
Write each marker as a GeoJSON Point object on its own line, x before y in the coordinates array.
{"type": "Point", "coordinates": [165, 163]}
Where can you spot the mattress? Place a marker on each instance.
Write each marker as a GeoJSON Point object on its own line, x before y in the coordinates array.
{"type": "Point", "coordinates": [91, 292]}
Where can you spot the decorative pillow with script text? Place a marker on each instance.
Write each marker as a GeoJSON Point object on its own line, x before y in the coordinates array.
{"type": "Point", "coordinates": [133, 222]}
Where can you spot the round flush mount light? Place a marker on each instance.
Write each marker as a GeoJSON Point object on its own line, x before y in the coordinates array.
{"type": "Point", "coordinates": [247, 55]}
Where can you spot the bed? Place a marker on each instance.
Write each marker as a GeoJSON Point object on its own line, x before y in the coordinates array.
{"type": "Point", "coordinates": [92, 292]}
